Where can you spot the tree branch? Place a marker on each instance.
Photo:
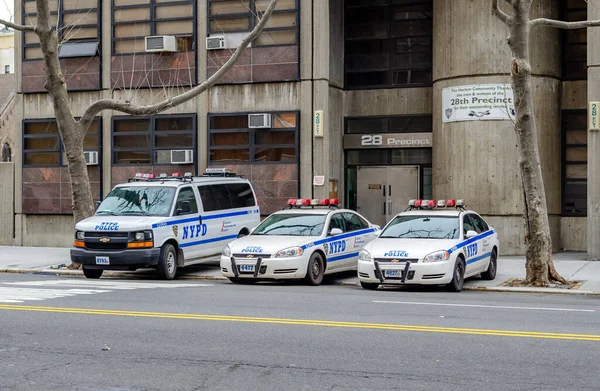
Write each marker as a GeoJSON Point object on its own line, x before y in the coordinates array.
{"type": "Point", "coordinates": [564, 25]}
{"type": "Point", "coordinates": [17, 26]}
{"type": "Point", "coordinates": [127, 107]}
{"type": "Point", "coordinates": [503, 16]}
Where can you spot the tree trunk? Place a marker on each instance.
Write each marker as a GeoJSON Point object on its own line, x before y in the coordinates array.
{"type": "Point", "coordinates": [538, 241]}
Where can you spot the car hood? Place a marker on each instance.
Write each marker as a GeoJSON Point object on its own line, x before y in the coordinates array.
{"type": "Point", "coordinates": [117, 223]}
{"type": "Point", "coordinates": [407, 248]}
{"type": "Point", "coordinates": [267, 244]}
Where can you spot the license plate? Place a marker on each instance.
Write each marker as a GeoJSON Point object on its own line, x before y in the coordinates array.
{"type": "Point", "coordinates": [392, 273]}
{"type": "Point", "coordinates": [247, 268]}
{"type": "Point", "coordinates": [102, 261]}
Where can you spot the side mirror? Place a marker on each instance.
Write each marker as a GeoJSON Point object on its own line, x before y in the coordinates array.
{"type": "Point", "coordinates": [98, 204]}
{"type": "Point", "coordinates": [185, 208]}
{"type": "Point", "coordinates": [470, 234]}
{"type": "Point", "coordinates": [335, 232]}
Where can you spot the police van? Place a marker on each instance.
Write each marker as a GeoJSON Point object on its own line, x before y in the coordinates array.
{"type": "Point", "coordinates": [165, 222]}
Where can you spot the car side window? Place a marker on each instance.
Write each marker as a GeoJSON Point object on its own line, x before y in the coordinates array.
{"type": "Point", "coordinates": [186, 194]}
{"type": "Point", "coordinates": [209, 202]}
{"type": "Point", "coordinates": [353, 222]}
{"type": "Point", "coordinates": [468, 224]}
{"type": "Point", "coordinates": [241, 195]}
{"type": "Point", "coordinates": [480, 225]}
{"type": "Point", "coordinates": [337, 221]}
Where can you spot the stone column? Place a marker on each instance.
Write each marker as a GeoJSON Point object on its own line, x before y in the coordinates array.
{"type": "Point", "coordinates": [593, 142]}
{"type": "Point", "coordinates": [477, 160]}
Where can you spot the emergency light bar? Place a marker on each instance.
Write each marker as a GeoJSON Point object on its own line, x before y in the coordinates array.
{"type": "Point", "coordinates": [430, 204]}
{"type": "Point", "coordinates": [295, 202]}
{"type": "Point", "coordinates": [217, 170]}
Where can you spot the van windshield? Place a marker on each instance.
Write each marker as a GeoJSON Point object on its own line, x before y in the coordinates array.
{"type": "Point", "coordinates": [142, 201]}
{"type": "Point", "coordinates": [422, 227]}
{"type": "Point", "coordinates": [291, 225]}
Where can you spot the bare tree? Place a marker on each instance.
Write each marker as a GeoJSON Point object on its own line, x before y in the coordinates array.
{"type": "Point", "coordinates": [539, 266]}
{"type": "Point", "coordinates": [73, 131]}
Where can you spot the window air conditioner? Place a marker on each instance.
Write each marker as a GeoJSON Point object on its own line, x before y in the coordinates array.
{"type": "Point", "coordinates": [258, 121]}
{"type": "Point", "coordinates": [91, 158]}
{"type": "Point", "coordinates": [215, 42]}
{"type": "Point", "coordinates": [182, 156]}
{"type": "Point", "coordinates": [161, 43]}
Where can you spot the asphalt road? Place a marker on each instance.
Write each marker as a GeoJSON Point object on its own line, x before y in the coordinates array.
{"type": "Point", "coordinates": [61, 333]}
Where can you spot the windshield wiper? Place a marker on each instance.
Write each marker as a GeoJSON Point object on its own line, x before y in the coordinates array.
{"type": "Point", "coordinates": [135, 212]}
{"type": "Point", "coordinates": [106, 212]}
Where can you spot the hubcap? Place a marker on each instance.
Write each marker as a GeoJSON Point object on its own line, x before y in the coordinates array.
{"type": "Point", "coordinates": [458, 276]}
{"type": "Point", "coordinates": [170, 263]}
{"type": "Point", "coordinates": [316, 269]}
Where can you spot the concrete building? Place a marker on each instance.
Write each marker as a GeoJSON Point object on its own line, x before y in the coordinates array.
{"type": "Point", "coordinates": [370, 101]}
{"type": "Point", "coordinates": [7, 51]}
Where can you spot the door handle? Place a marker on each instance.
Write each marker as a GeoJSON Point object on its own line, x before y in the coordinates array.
{"type": "Point", "coordinates": [200, 218]}
{"type": "Point", "coordinates": [389, 207]}
{"type": "Point", "coordinates": [383, 207]}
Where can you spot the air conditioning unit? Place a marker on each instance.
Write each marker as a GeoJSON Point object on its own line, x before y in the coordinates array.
{"type": "Point", "coordinates": [259, 121]}
{"type": "Point", "coordinates": [161, 43]}
{"type": "Point", "coordinates": [215, 42]}
{"type": "Point", "coordinates": [182, 156]}
{"type": "Point", "coordinates": [91, 158]}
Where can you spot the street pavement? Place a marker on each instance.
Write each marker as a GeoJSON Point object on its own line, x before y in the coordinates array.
{"type": "Point", "coordinates": [571, 265]}
{"type": "Point", "coordinates": [67, 333]}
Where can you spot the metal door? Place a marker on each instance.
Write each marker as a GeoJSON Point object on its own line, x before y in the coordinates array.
{"type": "Point", "coordinates": [370, 198]}
{"type": "Point", "coordinates": [384, 191]}
{"type": "Point", "coordinates": [402, 185]}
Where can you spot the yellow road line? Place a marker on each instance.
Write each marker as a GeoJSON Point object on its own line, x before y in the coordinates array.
{"type": "Point", "coordinates": [307, 322]}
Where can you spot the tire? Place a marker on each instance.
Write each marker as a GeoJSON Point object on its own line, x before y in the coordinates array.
{"type": "Point", "coordinates": [242, 233]}
{"type": "Point", "coordinates": [167, 264]}
{"type": "Point", "coordinates": [371, 286]}
{"type": "Point", "coordinates": [242, 281]}
{"type": "Point", "coordinates": [490, 273]}
{"type": "Point", "coordinates": [92, 273]}
{"type": "Point", "coordinates": [458, 276]}
{"type": "Point", "coordinates": [315, 270]}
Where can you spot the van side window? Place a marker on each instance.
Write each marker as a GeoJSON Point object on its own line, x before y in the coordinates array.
{"type": "Point", "coordinates": [222, 196]}
{"type": "Point", "coordinates": [187, 194]}
{"type": "Point", "coordinates": [241, 195]}
{"type": "Point", "coordinates": [209, 202]}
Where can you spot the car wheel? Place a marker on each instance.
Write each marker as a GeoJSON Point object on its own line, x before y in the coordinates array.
{"type": "Point", "coordinates": [458, 277]}
{"type": "Point", "coordinates": [243, 281]}
{"type": "Point", "coordinates": [167, 264]}
{"type": "Point", "coordinates": [316, 270]}
{"type": "Point", "coordinates": [490, 273]}
{"type": "Point", "coordinates": [242, 233]}
{"type": "Point", "coordinates": [92, 273]}
{"type": "Point", "coordinates": [369, 285]}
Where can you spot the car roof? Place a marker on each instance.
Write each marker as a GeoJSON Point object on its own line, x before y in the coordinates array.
{"type": "Point", "coordinates": [177, 182]}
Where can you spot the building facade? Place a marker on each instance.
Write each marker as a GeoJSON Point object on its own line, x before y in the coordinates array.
{"type": "Point", "coordinates": [336, 98]}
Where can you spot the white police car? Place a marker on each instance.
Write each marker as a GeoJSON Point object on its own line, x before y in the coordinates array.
{"type": "Point", "coordinates": [165, 222]}
{"type": "Point", "coordinates": [429, 245]}
{"type": "Point", "coordinates": [308, 239]}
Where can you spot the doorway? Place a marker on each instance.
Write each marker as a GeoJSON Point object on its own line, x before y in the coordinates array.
{"type": "Point", "coordinates": [382, 192]}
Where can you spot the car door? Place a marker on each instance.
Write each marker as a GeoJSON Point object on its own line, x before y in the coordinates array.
{"type": "Point", "coordinates": [355, 226]}
{"type": "Point", "coordinates": [337, 248]}
{"type": "Point", "coordinates": [186, 208]}
{"type": "Point", "coordinates": [473, 248]}
{"type": "Point", "coordinates": [215, 200]}
{"type": "Point", "coordinates": [486, 241]}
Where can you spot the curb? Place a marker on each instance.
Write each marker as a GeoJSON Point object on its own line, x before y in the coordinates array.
{"type": "Point", "coordinates": [79, 273]}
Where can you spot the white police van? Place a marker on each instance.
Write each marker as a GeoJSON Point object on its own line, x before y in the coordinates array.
{"type": "Point", "coordinates": [432, 242]}
{"type": "Point", "coordinates": [306, 240]}
{"type": "Point", "coordinates": [165, 222]}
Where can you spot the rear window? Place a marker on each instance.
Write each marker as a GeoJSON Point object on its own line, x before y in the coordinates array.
{"type": "Point", "coordinates": [226, 196]}
{"type": "Point", "coordinates": [422, 227]}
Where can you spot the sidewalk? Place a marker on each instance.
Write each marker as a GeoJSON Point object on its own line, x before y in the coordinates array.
{"type": "Point", "coordinates": [571, 265]}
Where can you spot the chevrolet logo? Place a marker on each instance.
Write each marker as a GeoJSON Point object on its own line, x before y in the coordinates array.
{"type": "Point", "coordinates": [105, 240]}
{"type": "Point", "coordinates": [395, 260]}
{"type": "Point", "coordinates": [249, 256]}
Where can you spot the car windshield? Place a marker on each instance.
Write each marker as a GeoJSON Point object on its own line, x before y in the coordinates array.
{"type": "Point", "coordinates": [143, 201]}
{"type": "Point", "coordinates": [422, 227]}
{"type": "Point", "coordinates": [292, 225]}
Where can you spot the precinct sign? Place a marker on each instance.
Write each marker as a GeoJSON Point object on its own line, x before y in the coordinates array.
{"type": "Point", "coordinates": [478, 102]}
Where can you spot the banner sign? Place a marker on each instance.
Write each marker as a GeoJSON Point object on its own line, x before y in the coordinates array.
{"type": "Point", "coordinates": [478, 102]}
{"type": "Point", "coordinates": [387, 140]}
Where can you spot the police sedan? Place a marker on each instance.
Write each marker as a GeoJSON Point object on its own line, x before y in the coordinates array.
{"type": "Point", "coordinates": [306, 240]}
{"type": "Point", "coordinates": [432, 242]}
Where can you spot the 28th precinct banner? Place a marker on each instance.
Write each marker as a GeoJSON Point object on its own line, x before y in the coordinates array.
{"type": "Point", "coordinates": [478, 102]}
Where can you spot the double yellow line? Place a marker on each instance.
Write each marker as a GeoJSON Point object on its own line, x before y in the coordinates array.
{"type": "Point", "coordinates": [307, 322]}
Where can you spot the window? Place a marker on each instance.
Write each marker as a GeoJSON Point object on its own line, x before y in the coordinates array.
{"type": "Point", "coordinates": [238, 16]}
{"type": "Point", "coordinates": [232, 141]}
{"type": "Point", "coordinates": [468, 224]}
{"type": "Point", "coordinates": [42, 145]}
{"type": "Point", "coordinates": [133, 20]}
{"type": "Point", "coordinates": [75, 21]}
{"type": "Point", "coordinates": [150, 140]}
{"type": "Point", "coordinates": [574, 50]}
{"type": "Point", "coordinates": [388, 45]}
{"type": "Point", "coordinates": [241, 195]}
{"type": "Point", "coordinates": [394, 124]}
{"type": "Point", "coordinates": [226, 196]}
{"type": "Point", "coordinates": [479, 224]}
{"type": "Point", "coordinates": [337, 221]}
{"type": "Point", "coordinates": [574, 163]}
{"type": "Point", "coordinates": [7, 69]}
{"type": "Point", "coordinates": [186, 195]}
{"type": "Point", "coordinates": [354, 222]}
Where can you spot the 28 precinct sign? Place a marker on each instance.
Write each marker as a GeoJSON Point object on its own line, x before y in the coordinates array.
{"type": "Point", "coordinates": [478, 102]}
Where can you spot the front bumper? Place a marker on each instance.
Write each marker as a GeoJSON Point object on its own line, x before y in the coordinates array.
{"type": "Point", "coordinates": [434, 273]}
{"type": "Point", "coordinates": [264, 269]}
{"type": "Point", "coordinates": [129, 259]}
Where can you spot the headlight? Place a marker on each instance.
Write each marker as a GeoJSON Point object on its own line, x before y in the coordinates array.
{"type": "Point", "coordinates": [364, 256]}
{"type": "Point", "coordinates": [142, 236]}
{"type": "Point", "coordinates": [226, 251]}
{"type": "Point", "coordinates": [290, 252]}
{"type": "Point", "coordinates": [80, 235]}
{"type": "Point", "coordinates": [437, 256]}
{"type": "Point", "coordinates": [139, 236]}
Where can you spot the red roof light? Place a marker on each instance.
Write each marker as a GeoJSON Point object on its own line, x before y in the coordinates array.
{"type": "Point", "coordinates": [326, 201]}
{"type": "Point", "coordinates": [451, 203]}
{"type": "Point", "coordinates": [334, 201]}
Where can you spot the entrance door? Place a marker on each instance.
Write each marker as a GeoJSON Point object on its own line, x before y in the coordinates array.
{"type": "Point", "coordinates": [382, 192]}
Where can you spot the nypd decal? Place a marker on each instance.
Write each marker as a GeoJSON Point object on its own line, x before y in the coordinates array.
{"type": "Point", "coordinates": [396, 253]}
{"type": "Point", "coordinates": [194, 231]}
{"type": "Point", "coordinates": [107, 226]}
{"type": "Point", "coordinates": [337, 246]}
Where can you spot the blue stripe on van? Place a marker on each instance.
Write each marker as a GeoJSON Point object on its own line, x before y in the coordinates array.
{"type": "Point", "coordinates": [199, 242]}
{"type": "Point", "coordinates": [207, 217]}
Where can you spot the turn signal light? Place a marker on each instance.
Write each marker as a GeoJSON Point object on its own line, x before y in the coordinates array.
{"type": "Point", "coordinates": [78, 243]}
{"type": "Point", "coordinates": [140, 244]}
